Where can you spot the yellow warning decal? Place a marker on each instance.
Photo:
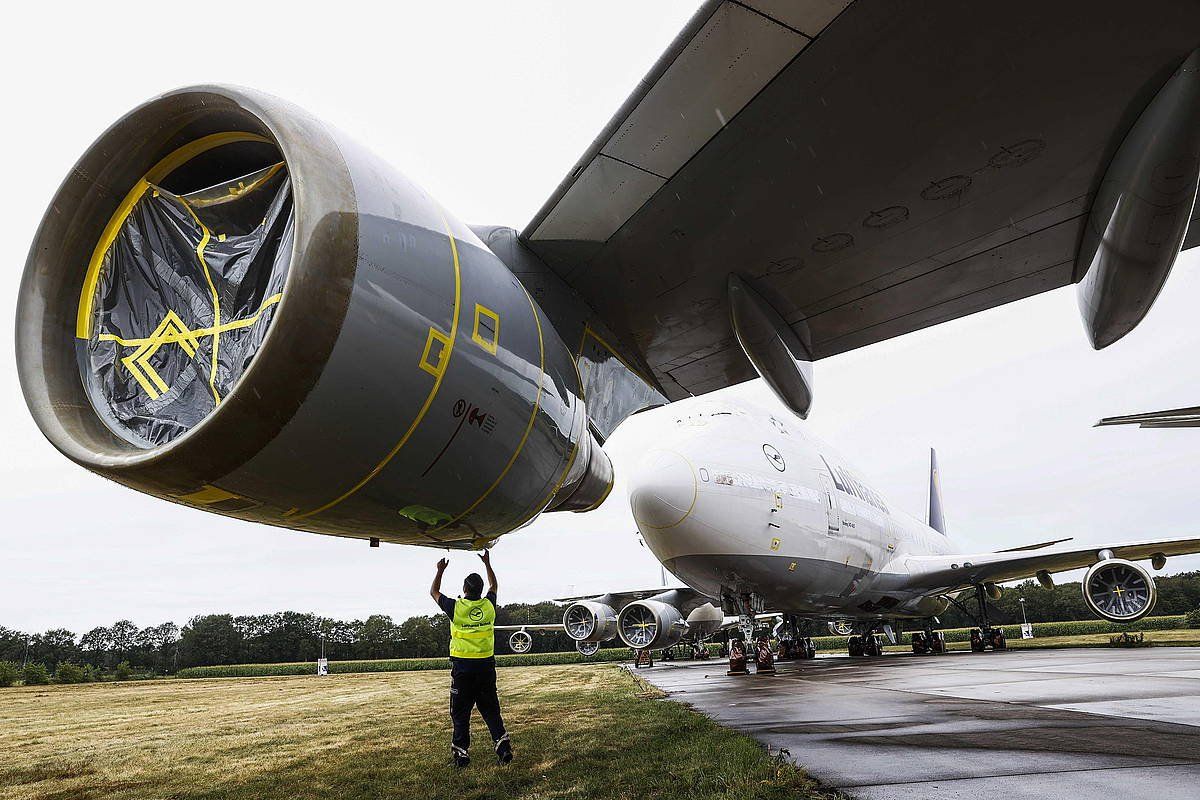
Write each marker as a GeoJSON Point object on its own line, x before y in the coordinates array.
{"type": "Point", "coordinates": [489, 339]}
{"type": "Point", "coordinates": [437, 365]}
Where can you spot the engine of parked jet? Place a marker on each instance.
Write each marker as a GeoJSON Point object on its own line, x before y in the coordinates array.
{"type": "Point", "coordinates": [1119, 590]}
{"type": "Point", "coordinates": [231, 306]}
{"type": "Point", "coordinates": [590, 621]}
{"type": "Point", "coordinates": [651, 624]}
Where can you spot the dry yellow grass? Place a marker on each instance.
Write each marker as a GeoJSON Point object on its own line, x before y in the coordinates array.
{"type": "Point", "coordinates": [579, 731]}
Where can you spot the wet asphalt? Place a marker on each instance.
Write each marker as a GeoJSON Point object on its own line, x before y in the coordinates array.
{"type": "Point", "coordinates": [1019, 724]}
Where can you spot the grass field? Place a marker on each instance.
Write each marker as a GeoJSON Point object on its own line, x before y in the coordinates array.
{"type": "Point", "coordinates": [584, 731]}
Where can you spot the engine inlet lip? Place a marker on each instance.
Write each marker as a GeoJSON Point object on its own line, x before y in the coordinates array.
{"type": "Point", "coordinates": [293, 351]}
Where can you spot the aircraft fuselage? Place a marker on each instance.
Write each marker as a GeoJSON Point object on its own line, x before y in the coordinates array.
{"type": "Point", "coordinates": [737, 501]}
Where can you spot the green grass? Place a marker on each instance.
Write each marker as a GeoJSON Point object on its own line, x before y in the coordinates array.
{"type": "Point", "coordinates": [608, 654]}
{"type": "Point", "coordinates": [585, 731]}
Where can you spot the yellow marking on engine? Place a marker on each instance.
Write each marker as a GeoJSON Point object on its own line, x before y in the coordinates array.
{"type": "Point", "coordinates": [792, 567]}
{"type": "Point", "coordinates": [205, 236]}
{"type": "Point", "coordinates": [435, 369]}
{"type": "Point", "coordinates": [437, 384]}
{"type": "Point", "coordinates": [138, 362]}
{"type": "Point", "coordinates": [775, 544]}
{"type": "Point", "coordinates": [83, 319]}
{"type": "Point", "coordinates": [483, 311]}
{"type": "Point", "coordinates": [241, 190]}
{"type": "Point", "coordinates": [537, 402]}
{"type": "Point", "coordinates": [184, 334]}
{"type": "Point", "coordinates": [207, 496]}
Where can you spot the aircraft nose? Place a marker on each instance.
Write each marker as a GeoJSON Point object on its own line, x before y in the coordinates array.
{"type": "Point", "coordinates": [662, 490]}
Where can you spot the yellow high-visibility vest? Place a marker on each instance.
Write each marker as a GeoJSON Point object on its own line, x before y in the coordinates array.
{"type": "Point", "coordinates": [471, 634]}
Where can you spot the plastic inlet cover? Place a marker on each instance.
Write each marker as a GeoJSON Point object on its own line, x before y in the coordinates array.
{"type": "Point", "coordinates": [184, 298]}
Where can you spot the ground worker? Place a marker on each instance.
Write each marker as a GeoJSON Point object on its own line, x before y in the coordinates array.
{"type": "Point", "coordinates": [472, 661]}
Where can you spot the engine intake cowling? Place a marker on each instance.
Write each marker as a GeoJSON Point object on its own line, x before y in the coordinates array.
{"type": "Point", "coordinates": [590, 621]}
{"type": "Point", "coordinates": [650, 624]}
{"type": "Point", "coordinates": [359, 363]}
{"type": "Point", "coordinates": [1119, 590]}
{"type": "Point", "coordinates": [520, 642]}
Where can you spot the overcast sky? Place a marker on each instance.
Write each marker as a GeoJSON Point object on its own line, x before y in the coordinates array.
{"type": "Point", "coordinates": [488, 105]}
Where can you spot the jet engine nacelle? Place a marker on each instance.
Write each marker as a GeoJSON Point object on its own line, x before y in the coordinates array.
{"type": "Point", "coordinates": [705, 620]}
{"type": "Point", "coordinates": [1119, 590]}
{"type": "Point", "coordinates": [520, 642]}
{"type": "Point", "coordinates": [650, 624]}
{"type": "Point", "coordinates": [590, 621]}
{"type": "Point", "coordinates": [373, 370]}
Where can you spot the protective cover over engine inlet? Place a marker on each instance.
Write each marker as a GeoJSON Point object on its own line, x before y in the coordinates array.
{"type": "Point", "coordinates": [182, 287]}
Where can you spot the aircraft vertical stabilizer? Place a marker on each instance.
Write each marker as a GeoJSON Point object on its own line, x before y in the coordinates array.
{"type": "Point", "coordinates": [937, 519]}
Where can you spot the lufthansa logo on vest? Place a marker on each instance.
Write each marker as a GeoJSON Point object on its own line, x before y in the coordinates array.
{"type": "Point", "coordinates": [475, 614]}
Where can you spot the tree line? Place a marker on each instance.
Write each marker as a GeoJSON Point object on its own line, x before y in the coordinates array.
{"type": "Point", "coordinates": [286, 636]}
{"type": "Point", "coordinates": [291, 636]}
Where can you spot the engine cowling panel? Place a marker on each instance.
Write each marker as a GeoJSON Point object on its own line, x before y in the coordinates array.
{"type": "Point", "coordinates": [1118, 590]}
{"type": "Point", "coordinates": [650, 624]}
{"type": "Point", "coordinates": [406, 388]}
{"type": "Point", "coordinates": [590, 621]}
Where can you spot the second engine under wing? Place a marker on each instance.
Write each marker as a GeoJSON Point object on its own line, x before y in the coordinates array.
{"type": "Point", "coordinates": [955, 572]}
{"type": "Point", "coordinates": [870, 167]}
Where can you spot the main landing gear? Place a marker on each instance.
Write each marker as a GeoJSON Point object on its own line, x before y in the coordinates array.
{"type": "Point", "coordinates": [867, 645]}
{"type": "Point", "coordinates": [928, 641]}
{"type": "Point", "coordinates": [984, 636]}
{"type": "Point", "coordinates": [792, 645]}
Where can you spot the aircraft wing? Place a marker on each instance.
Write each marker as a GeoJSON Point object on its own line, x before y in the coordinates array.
{"type": "Point", "coordinates": [871, 168]}
{"type": "Point", "coordinates": [1174, 418]}
{"type": "Point", "coordinates": [555, 626]}
{"type": "Point", "coordinates": [685, 598]}
{"type": "Point", "coordinates": [949, 573]}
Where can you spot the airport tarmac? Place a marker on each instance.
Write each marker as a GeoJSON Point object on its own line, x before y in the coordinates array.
{"type": "Point", "coordinates": [1017, 724]}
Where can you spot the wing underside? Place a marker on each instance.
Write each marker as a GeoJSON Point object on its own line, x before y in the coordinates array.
{"type": "Point", "coordinates": [873, 168]}
{"type": "Point", "coordinates": [951, 573]}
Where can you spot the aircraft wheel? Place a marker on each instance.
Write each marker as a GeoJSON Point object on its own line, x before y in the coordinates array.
{"type": "Point", "coordinates": [810, 649]}
{"type": "Point", "coordinates": [855, 646]}
{"type": "Point", "coordinates": [998, 641]}
{"type": "Point", "coordinates": [919, 643]}
{"type": "Point", "coordinates": [938, 643]}
{"type": "Point", "coordinates": [872, 646]}
{"type": "Point", "coordinates": [978, 645]}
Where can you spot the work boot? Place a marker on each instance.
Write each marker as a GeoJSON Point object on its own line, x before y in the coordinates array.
{"type": "Point", "coordinates": [461, 759]}
{"type": "Point", "coordinates": [504, 753]}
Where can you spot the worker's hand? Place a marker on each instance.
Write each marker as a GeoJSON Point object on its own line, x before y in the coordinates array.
{"type": "Point", "coordinates": [486, 557]}
{"type": "Point", "coordinates": [445, 562]}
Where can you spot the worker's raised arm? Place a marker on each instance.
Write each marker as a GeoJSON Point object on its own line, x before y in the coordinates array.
{"type": "Point", "coordinates": [486, 558]}
{"type": "Point", "coordinates": [435, 590]}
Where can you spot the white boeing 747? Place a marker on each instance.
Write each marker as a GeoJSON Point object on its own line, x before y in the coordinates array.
{"type": "Point", "coordinates": [753, 513]}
